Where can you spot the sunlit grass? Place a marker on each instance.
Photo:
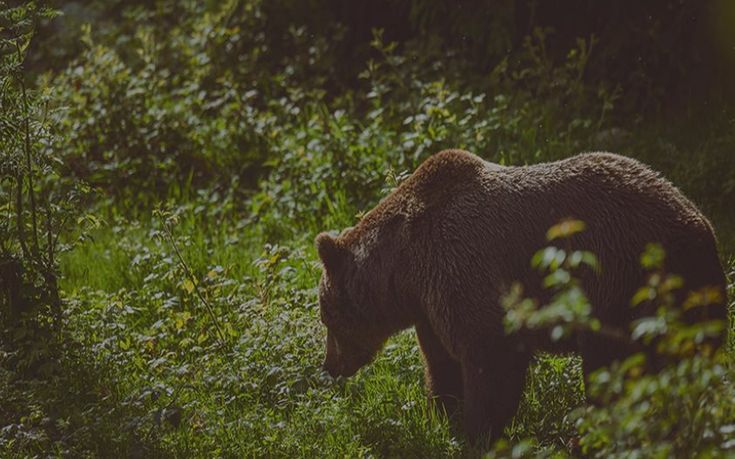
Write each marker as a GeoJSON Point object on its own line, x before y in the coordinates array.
{"type": "Point", "coordinates": [264, 392]}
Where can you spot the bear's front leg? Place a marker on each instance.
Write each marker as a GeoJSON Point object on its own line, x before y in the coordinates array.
{"type": "Point", "coordinates": [443, 373]}
{"type": "Point", "coordinates": [492, 392]}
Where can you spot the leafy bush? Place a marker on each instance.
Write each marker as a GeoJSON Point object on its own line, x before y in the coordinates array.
{"type": "Point", "coordinates": [326, 164]}
{"type": "Point", "coordinates": [37, 201]}
{"type": "Point", "coordinates": [53, 399]}
{"type": "Point", "coordinates": [683, 410]}
{"type": "Point", "coordinates": [149, 126]}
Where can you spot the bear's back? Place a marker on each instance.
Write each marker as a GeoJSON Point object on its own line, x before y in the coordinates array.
{"type": "Point", "coordinates": [610, 188]}
{"type": "Point", "coordinates": [476, 221]}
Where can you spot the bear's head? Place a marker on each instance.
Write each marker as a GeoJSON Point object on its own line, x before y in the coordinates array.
{"type": "Point", "coordinates": [354, 335]}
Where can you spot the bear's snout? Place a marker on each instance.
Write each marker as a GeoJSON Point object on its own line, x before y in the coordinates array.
{"type": "Point", "coordinates": [337, 368]}
{"type": "Point", "coordinates": [330, 368]}
{"type": "Point", "coordinates": [343, 359]}
{"type": "Point", "coordinates": [336, 371]}
{"type": "Point", "coordinates": [333, 361]}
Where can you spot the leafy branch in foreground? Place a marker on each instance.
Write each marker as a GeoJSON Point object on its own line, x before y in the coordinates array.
{"type": "Point", "coordinates": [569, 309]}
{"type": "Point", "coordinates": [682, 410]}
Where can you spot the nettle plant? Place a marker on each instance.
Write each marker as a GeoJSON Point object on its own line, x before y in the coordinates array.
{"type": "Point", "coordinates": [682, 410]}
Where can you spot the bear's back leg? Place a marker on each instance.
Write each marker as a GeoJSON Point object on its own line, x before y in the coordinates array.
{"type": "Point", "coordinates": [599, 351]}
{"type": "Point", "coordinates": [699, 266]}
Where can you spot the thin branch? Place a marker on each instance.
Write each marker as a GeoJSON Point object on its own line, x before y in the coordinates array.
{"type": "Point", "coordinates": [50, 271]}
{"type": "Point", "coordinates": [49, 237]}
{"type": "Point", "coordinates": [64, 221]}
{"type": "Point", "coordinates": [27, 148]}
{"type": "Point", "coordinates": [612, 333]}
{"type": "Point", "coordinates": [194, 282]}
{"type": "Point", "coordinates": [19, 216]}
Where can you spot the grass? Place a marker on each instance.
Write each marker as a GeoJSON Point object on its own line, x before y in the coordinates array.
{"type": "Point", "coordinates": [263, 393]}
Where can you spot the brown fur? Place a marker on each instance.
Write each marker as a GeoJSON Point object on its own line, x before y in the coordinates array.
{"type": "Point", "coordinates": [441, 250]}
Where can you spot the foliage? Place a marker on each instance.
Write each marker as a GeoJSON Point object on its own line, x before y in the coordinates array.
{"type": "Point", "coordinates": [29, 203]}
{"type": "Point", "coordinates": [145, 124]}
{"type": "Point", "coordinates": [683, 410]}
{"type": "Point", "coordinates": [220, 137]}
{"type": "Point", "coordinates": [50, 392]}
{"type": "Point", "coordinates": [263, 393]}
{"type": "Point", "coordinates": [569, 309]}
{"type": "Point", "coordinates": [214, 96]}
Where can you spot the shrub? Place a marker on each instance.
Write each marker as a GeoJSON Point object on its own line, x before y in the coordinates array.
{"type": "Point", "coordinates": [683, 410]}
{"type": "Point", "coordinates": [37, 202]}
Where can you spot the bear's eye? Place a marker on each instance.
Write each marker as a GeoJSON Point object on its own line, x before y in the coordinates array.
{"type": "Point", "coordinates": [332, 309]}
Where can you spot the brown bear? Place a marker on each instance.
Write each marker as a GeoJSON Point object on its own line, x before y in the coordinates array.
{"type": "Point", "coordinates": [440, 252]}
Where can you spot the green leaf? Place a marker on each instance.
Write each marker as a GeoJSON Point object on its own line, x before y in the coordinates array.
{"type": "Point", "coordinates": [565, 229]}
{"type": "Point", "coordinates": [653, 256]}
{"type": "Point", "coordinates": [643, 294]}
{"type": "Point", "coordinates": [649, 327]}
{"type": "Point", "coordinates": [188, 285]}
{"type": "Point", "coordinates": [558, 278]}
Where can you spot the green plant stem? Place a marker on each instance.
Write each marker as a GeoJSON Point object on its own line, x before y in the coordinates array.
{"type": "Point", "coordinates": [27, 151]}
{"type": "Point", "coordinates": [49, 237]}
{"type": "Point", "coordinates": [190, 275]}
{"type": "Point", "coordinates": [19, 217]}
{"type": "Point", "coordinates": [50, 271]}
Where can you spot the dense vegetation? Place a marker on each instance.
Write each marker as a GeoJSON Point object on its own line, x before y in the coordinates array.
{"type": "Point", "coordinates": [166, 166]}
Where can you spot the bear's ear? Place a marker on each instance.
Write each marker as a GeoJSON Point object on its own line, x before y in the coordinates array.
{"type": "Point", "coordinates": [332, 254]}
